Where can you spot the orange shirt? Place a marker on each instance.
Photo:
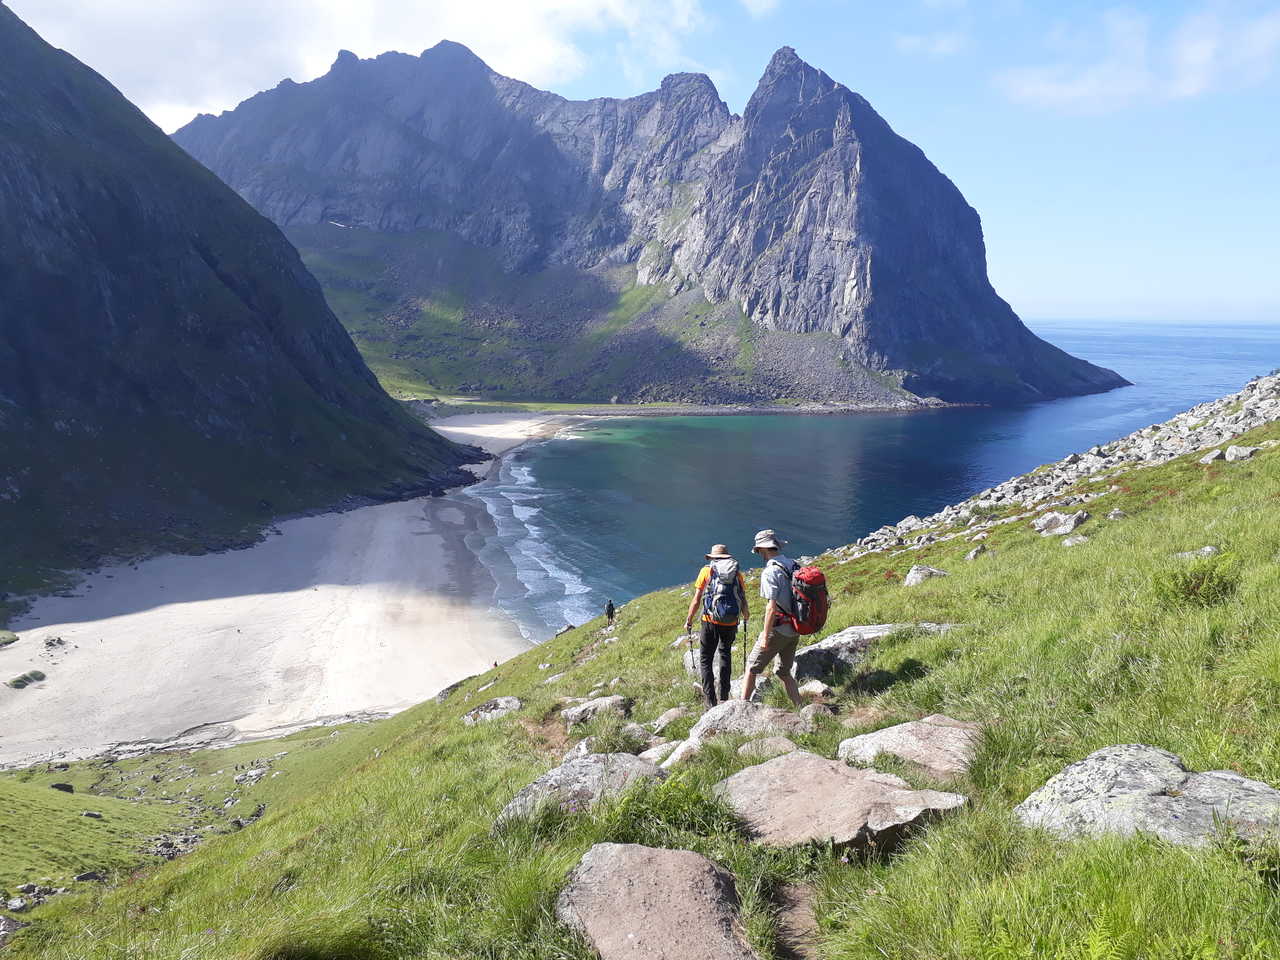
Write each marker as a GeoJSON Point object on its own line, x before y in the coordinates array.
{"type": "Point", "coordinates": [704, 577]}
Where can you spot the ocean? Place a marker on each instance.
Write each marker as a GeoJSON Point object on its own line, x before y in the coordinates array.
{"type": "Point", "coordinates": [615, 508]}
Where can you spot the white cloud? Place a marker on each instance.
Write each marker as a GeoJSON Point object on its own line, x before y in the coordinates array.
{"type": "Point", "coordinates": [181, 57]}
{"type": "Point", "coordinates": [941, 43]}
{"type": "Point", "coordinates": [1140, 60]}
{"type": "Point", "coordinates": [760, 8]}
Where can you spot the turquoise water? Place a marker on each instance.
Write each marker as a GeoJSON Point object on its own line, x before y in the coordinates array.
{"type": "Point", "coordinates": [621, 507]}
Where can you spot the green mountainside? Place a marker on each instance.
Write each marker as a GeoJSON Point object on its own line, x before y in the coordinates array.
{"type": "Point", "coordinates": [378, 841]}
{"type": "Point", "coordinates": [170, 375]}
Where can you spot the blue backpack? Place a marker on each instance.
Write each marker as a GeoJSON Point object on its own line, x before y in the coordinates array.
{"type": "Point", "coordinates": [721, 600]}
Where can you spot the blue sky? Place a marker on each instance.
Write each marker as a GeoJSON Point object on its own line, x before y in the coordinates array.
{"type": "Point", "coordinates": [1125, 159]}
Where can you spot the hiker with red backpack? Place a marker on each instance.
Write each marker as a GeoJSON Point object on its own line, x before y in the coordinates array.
{"type": "Point", "coordinates": [796, 605]}
{"type": "Point", "coordinates": [722, 594]}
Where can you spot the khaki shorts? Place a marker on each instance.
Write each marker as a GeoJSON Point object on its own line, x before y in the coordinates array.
{"type": "Point", "coordinates": [781, 646]}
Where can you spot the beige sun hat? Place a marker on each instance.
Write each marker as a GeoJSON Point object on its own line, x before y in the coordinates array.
{"type": "Point", "coordinates": [719, 552]}
{"type": "Point", "coordinates": [767, 539]}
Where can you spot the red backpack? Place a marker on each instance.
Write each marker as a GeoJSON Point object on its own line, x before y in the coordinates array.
{"type": "Point", "coordinates": [808, 599]}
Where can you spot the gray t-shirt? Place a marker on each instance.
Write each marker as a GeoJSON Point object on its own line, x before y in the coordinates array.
{"type": "Point", "coordinates": [775, 584]}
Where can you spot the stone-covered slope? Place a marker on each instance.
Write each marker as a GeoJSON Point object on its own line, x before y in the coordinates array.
{"type": "Point", "coordinates": [804, 235]}
{"type": "Point", "coordinates": [169, 371]}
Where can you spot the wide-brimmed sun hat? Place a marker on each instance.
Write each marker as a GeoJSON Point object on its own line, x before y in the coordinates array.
{"type": "Point", "coordinates": [719, 552]}
{"type": "Point", "coordinates": [767, 539]}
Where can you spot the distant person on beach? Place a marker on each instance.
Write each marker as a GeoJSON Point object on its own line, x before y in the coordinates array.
{"type": "Point", "coordinates": [722, 594]}
{"type": "Point", "coordinates": [610, 612]}
{"type": "Point", "coordinates": [777, 636]}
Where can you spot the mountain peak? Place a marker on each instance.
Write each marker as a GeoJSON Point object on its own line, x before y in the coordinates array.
{"type": "Point", "coordinates": [455, 53]}
{"type": "Point", "coordinates": [345, 59]}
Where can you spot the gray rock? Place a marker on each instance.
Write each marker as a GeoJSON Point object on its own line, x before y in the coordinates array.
{"type": "Point", "coordinates": [9, 926]}
{"type": "Point", "coordinates": [554, 678]}
{"type": "Point", "coordinates": [801, 797]}
{"type": "Point", "coordinates": [1117, 514]}
{"type": "Point", "coordinates": [1235, 454]}
{"type": "Point", "coordinates": [16, 905]}
{"type": "Point", "coordinates": [1135, 788]}
{"type": "Point", "coordinates": [812, 711]}
{"type": "Point", "coordinates": [1057, 524]}
{"type": "Point", "coordinates": [919, 573]}
{"type": "Point", "coordinates": [815, 688]}
{"type": "Point", "coordinates": [643, 903]}
{"type": "Point", "coordinates": [582, 783]}
{"type": "Point", "coordinates": [92, 814]}
{"type": "Point", "coordinates": [939, 745]}
{"type": "Point", "coordinates": [1212, 456]}
{"type": "Point", "coordinates": [681, 751]}
{"type": "Point", "coordinates": [615, 704]}
{"type": "Point", "coordinates": [492, 710]}
{"type": "Point", "coordinates": [767, 748]}
{"type": "Point", "coordinates": [669, 717]}
{"type": "Point", "coordinates": [583, 748]}
{"type": "Point", "coordinates": [843, 651]}
{"type": "Point", "coordinates": [659, 753]}
{"type": "Point", "coordinates": [1078, 540]}
{"type": "Point", "coordinates": [90, 876]}
{"type": "Point", "coordinates": [1205, 551]}
{"type": "Point", "coordinates": [748, 719]}
{"type": "Point", "coordinates": [976, 552]}
{"type": "Point", "coordinates": [63, 787]}
{"type": "Point", "coordinates": [764, 683]}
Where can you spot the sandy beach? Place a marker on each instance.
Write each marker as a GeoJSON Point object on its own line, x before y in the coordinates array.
{"type": "Point", "coordinates": [364, 612]}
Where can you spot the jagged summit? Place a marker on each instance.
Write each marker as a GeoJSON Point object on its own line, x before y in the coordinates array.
{"type": "Point", "coordinates": [806, 216]}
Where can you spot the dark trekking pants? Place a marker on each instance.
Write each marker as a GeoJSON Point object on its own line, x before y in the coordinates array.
{"type": "Point", "coordinates": [716, 638]}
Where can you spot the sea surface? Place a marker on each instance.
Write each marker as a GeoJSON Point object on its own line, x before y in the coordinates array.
{"type": "Point", "coordinates": [616, 508]}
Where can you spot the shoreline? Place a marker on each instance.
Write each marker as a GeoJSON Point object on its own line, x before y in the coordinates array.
{"type": "Point", "coordinates": [332, 617]}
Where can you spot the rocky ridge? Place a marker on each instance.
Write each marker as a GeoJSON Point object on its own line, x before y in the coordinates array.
{"type": "Point", "coordinates": [801, 250]}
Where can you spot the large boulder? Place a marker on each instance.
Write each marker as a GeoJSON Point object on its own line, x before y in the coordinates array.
{"type": "Point", "coordinates": [1057, 524]}
{"type": "Point", "coordinates": [631, 902]}
{"type": "Point", "coordinates": [748, 719]}
{"type": "Point", "coordinates": [616, 704]}
{"type": "Point", "coordinates": [492, 710]}
{"type": "Point", "coordinates": [939, 745]}
{"type": "Point", "coordinates": [1135, 788]}
{"type": "Point", "coordinates": [1235, 453]}
{"type": "Point", "coordinates": [921, 572]}
{"type": "Point", "coordinates": [801, 797]}
{"type": "Point", "coordinates": [846, 650]}
{"type": "Point", "coordinates": [581, 783]}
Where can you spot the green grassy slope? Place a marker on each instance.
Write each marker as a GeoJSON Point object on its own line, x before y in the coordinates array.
{"type": "Point", "coordinates": [385, 846]}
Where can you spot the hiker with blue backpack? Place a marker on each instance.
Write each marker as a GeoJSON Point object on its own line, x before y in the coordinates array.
{"type": "Point", "coordinates": [722, 594]}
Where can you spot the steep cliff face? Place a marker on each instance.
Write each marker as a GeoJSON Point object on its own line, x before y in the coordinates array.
{"type": "Point", "coordinates": [169, 371]}
{"type": "Point", "coordinates": [806, 216]}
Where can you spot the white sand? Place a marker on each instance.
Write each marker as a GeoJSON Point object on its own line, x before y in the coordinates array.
{"type": "Point", "coordinates": [497, 432]}
{"type": "Point", "coordinates": [372, 610]}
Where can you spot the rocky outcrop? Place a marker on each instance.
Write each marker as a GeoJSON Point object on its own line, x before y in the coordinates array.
{"type": "Point", "coordinates": [747, 719]}
{"type": "Point", "coordinates": [615, 705]}
{"type": "Point", "coordinates": [169, 370]}
{"type": "Point", "coordinates": [807, 217]}
{"type": "Point", "coordinates": [490, 710]}
{"type": "Point", "coordinates": [940, 746]}
{"type": "Point", "coordinates": [1135, 788]}
{"type": "Point", "coordinates": [581, 783]}
{"type": "Point", "coordinates": [631, 902]}
{"type": "Point", "coordinates": [801, 797]}
{"type": "Point", "coordinates": [1206, 426]}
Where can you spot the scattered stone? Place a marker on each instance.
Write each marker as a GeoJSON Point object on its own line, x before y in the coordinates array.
{"type": "Point", "coordinates": [1078, 540]}
{"type": "Point", "coordinates": [8, 927]}
{"type": "Point", "coordinates": [554, 678]}
{"type": "Point", "coordinates": [250, 777]}
{"type": "Point", "coordinates": [815, 688]}
{"type": "Point", "coordinates": [1117, 514]}
{"type": "Point", "coordinates": [659, 753]}
{"type": "Point", "coordinates": [1206, 551]}
{"type": "Point", "coordinates": [846, 650]}
{"type": "Point", "coordinates": [801, 797]}
{"type": "Point", "coordinates": [939, 745]}
{"type": "Point", "coordinates": [544, 666]}
{"type": "Point", "coordinates": [764, 684]}
{"type": "Point", "coordinates": [491, 683]}
{"type": "Point", "coordinates": [812, 711]}
{"type": "Point", "coordinates": [598, 706]}
{"type": "Point", "coordinates": [919, 573]}
{"type": "Point", "coordinates": [16, 905]}
{"type": "Point", "coordinates": [767, 748]}
{"type": "Point", "coordinates": [682, 751]}
{"type": "Point", "coordinates": [446, 692]}
{"type": "Point", "coordinates": [64, 787]}
{"type": "Point", "coordinates": [1235, 453]}
{"type": "Point", "coordinates": [1056, 524]}
{"type": "Point", "coordinates": [492, 710]}
{"type": "Point", "coordinates": [91, 814]}
{"type": "Point", "coordinates": [631, 902]}
{"type": "Point", "coordinates": [748, 719]}
{"type": "Point", "coordinates": [1212, 456]}
{"type": "Point", "coordinates": [90, 876]}
{"type": "Point", "coordinates": [976, 552]}
{"type": "Point", "coordinates": [669, 717]}
{"type": "Point", "coordinates": [1136, 788]}
{"type": "Point", "coordinates": [583, 748]}
{"type": "Point", "coordinates": [581, 783]}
